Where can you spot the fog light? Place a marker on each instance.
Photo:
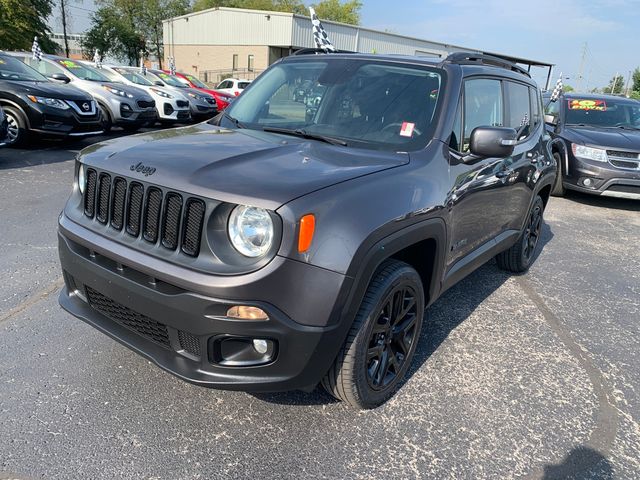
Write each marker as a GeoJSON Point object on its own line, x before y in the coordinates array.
{"type": "Point", "coordinates": [261, 346]}
{"type": "Point", "coordinates": [243, 312]}
{"type": "Point", "coordinates": [587, 182]}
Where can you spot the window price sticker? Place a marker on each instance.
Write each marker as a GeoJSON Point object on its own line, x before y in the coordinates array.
{"type": "Point", "coordinates": [598, 105]}
{"type": "Point", "coordinates": [407, 129]}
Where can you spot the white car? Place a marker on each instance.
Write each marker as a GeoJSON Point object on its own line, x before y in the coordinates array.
{"type": "Point", "coordinates": [171, 106]}
{"type": "Point", "coordinates": [233, 86]}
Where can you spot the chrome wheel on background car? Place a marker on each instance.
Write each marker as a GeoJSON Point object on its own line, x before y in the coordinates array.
{"type": "Point", "coordinates": [16, 131]}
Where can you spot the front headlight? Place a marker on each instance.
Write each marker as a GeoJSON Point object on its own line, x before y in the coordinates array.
{"type": "Point", "coordinates": [250, 230]}
{"type": "Point", "coordinates": [161, 93]}
{"type": "Point", "coordinates": [82, 179]}
{"type": "Point", "coordinates": [117, 91]}
{"type": "Point", "coordinates": [49, 102]}
{"type": "Point", "coordinates": [196, 96]}
{"type": "Point", "coordinates": [589, 153]}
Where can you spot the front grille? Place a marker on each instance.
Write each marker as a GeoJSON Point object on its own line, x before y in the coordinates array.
{"type": "Point", "coordinates": [90, 193]}
{"type": "Point", "coordinates": [146, 104]}
{"type": "Point", "coordinates": [145, 326]}
{"type": "Point", "coordinates": [189, 343]}
{"type": "Point", "coordinates": [626, 160]}
{"type": "Point", "coordinates": [182, 103]}
{"type": "Point", "coordinates": [169, 218]}
{"type": "Point", "coordinates": [104, 191]}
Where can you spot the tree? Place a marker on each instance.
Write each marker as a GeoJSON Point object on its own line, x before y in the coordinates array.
{"type": "Point", "coordinates": [567, 88]}
{"type": "Point", "coordinates": [616, 85]}
{"type": "Point", "coordinates": [21, 20]}
{"type": "Point", "coordinates": [290, 6]}
{"type": "Point", "coordinates": [636, 80]}
{"type": "Point", "coordinates": [153, 12]}
{"type": "Point", "coordinates": [348, 12]}
{"type": "Point", "coordinates": [64, 18]}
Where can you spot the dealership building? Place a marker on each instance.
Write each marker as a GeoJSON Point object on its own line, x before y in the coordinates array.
{"type": "Point", "coordinates": [221, 42]}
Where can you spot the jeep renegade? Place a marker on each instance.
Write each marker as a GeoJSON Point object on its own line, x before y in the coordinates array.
{"type": "Point", "coordinates": [280, 246]}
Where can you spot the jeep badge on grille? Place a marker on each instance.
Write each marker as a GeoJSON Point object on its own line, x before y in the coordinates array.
{"type": "Point", "coordinates": [140, 168]}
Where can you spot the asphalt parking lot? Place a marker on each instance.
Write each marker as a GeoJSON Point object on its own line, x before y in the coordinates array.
{"type": "Point", "coordinates": [534, 376]}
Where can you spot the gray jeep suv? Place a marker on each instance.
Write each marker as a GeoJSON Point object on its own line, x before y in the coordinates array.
{"type": "Point", "coordinates": [275, 249]}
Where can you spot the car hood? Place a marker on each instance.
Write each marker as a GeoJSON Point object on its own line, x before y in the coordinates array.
{"type": "Point", "coordinates": [49, 89]}
{"type": "Point", "coordinates": [237, 166]}
{"type": "Point", "coordinates": [611, 138]}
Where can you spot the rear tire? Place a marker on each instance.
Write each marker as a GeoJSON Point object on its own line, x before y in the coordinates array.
{"type": "Point", "coordinates": [380, 346]}
{"type": "Point", "coordinates": [18, 132]}
{"type": "Point", "coordinates": [519, 257]}
{"type": "Point", "coordinates": [558, 189]}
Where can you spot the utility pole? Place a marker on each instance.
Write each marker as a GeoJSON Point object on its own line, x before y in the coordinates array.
{"type": "Point", "coordinates": [615, 82]}
{"type": "Point", "coordinates": [584, 56]}
{"type": "Point", "coordinates": [63, 12]}
{"type": "Point", "coordinates": [626, 90]}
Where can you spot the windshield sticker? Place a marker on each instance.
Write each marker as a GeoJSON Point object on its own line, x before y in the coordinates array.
{"type": "Point", "coordinates": [163, 75]}
{"type": "Point", "coordinates": [407, 129]}
{"type": "Point", "coordinates": [599, 105]}
{"type": "Point", "coordinates": [69, 64]}
{"type": "Point", "coordinates": [1, 62]}
{"type": "Point", "coordinates": [434, 94]}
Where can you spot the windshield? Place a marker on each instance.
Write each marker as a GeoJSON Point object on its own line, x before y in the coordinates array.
{"type": "Point", "coordinates": [133, 76]}
{"type": "Point", "coordinates": [170, 79]}
{"type": "Point", "coordinates": [604, 112]}
{"type": "Point", "coordinates": [14, 69]}
{"type": "Point", "coordinates": [365, 103]}
{"type": "Point", "coordinates": [195, 81]}
{"type": "Point", "coordinates": [82, 71]}
{"type": "Point", "coordinates": [112, 76]}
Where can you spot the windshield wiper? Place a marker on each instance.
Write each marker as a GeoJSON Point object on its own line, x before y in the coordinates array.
{"type": "Point", "coordinates": [304, 134]}
{"type": "Point", "coordinates": [235, 121]}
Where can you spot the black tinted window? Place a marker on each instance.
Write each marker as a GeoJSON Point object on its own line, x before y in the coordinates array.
{"type": "Point", "coordinates": [482, 106]}
{"type": "Point", "coordinates": [519, 115]}
{"type": "Point", "coordinates": [536, 117]}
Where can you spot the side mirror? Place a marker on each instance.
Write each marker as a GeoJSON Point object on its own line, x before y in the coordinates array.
{"type": "Point", "coordinates": [158, 83]}
{"type": "Point", "coordinates": [60, 77]}
{"type": "Point", "coordinates": [550, 119]}
{"type": "Point", "coordinates": [495, 142]}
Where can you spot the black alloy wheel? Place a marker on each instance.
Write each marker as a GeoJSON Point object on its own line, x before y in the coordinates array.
{"type": "Point", "coordinates": [532, 231]}
{"type": "Point", "coordinates": [391, 338]}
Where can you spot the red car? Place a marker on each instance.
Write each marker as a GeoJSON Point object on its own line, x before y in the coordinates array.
{"type": "Point", "coordinates": [222, 99]}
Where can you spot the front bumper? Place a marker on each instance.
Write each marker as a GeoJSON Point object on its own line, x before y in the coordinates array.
{"type": "Point", "coordinates": [176, 328]}
{"type": "Point", "coordinates": [52, 121]}
{"type": "Point", "coordinates": [602, 178]}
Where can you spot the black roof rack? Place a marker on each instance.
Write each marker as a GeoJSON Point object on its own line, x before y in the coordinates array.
{"type": "Point", "coordinates": [468, 58]}
{"type": "Point", "coordinates": [309, 51]}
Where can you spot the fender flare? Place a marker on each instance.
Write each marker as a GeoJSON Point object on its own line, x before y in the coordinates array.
{"type": "Point", "coordinates": [375, 250]}
{"type": "Point", "coordinates": [561, 146]}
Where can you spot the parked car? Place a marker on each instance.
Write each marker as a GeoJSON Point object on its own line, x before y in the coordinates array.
{"type": "Point", "coordinates": [4, 127]}
{"type": "Point", "coordinates": [33, 104]}
{"type": "Point", "coordinates": [202, 105]}
{"type": "Point", "coordinates": [596, 144]}
{"type": "Point", "coordinates": [222, 99]}
{"type": "Point", "coordinates": [120, 105]}
{"type": "Point", "coordinates": [233, 86]}
{"type": "Point", "coordinates": [171, 106]}
{"type": "Point", "coordinates": [278, 252]}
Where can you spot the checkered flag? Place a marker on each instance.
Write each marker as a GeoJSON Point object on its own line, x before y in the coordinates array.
{"type": "Point", "coordinates": [319, 34]}
{"type": "Point", "coordinates": [35, 49]}
{"type": "Point", "coordinates": [96, 59]}
{"type": "Point", "coordinates": [143, 67]}
{"type": "Point", "coordinates": [557, 90]}
{"type": "Point", "coordinates": [172, 66]}
{"type": "Point", "coordinates": [525, 120]}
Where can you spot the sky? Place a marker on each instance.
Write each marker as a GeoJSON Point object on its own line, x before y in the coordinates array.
{"type": "Point", "coordinates": [553, 31]}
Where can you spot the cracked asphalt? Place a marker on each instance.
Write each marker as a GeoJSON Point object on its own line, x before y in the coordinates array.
{"type": "Point", "coordinates": [533, 376]}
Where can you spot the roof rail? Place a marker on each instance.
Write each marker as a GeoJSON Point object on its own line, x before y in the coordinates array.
{"type": "Point", "coordinates": [309, 51]}
{"type": "Point", "coordinates": [469, 58]}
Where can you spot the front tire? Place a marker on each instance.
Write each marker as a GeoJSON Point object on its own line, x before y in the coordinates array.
{"type": "Point", "coordinates": [558, 189]}
{"type": "Point", "coordinates": [519, 257]}
{"type": "Point", "coordinates": [380, 346]}
{"type": "Point", "coordinates": [106, 119]}
{"type": "Point", "coordinates": [18, 132]}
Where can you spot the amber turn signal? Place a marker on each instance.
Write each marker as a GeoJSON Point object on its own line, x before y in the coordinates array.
{"type": "Point", "coordinates": [243, 312]}
{"type": "Point", "coordinates": [307, 227]}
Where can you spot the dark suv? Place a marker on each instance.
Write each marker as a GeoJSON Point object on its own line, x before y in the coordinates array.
{"type": "Point", "coordinates": [271, 250]}
{"type": "Point", "coordinates": [32, 103]}
{"type": "Point", "coordinates": [596, 144]}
